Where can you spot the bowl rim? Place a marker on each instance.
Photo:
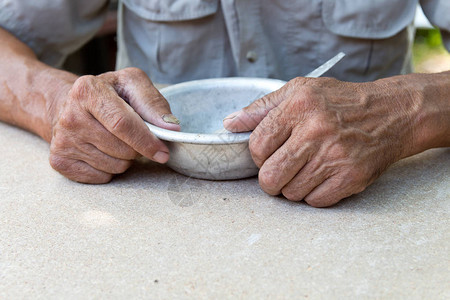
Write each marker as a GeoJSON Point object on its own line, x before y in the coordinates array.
{"type": "Point", "coordinates": [211, 138]}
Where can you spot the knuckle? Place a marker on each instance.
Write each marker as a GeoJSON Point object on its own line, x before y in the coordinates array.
{"type": "Point", "coordinates": [59, 143]}
{"type": "Point", "coordinates": [95, 178]}
{"type": "Point", "coordinates": [313, 131]}
{"type": "Point", "coordinates": [257, 152]}
{"type": "Point", "coordinates": [259, 103]}
{"type": "Point", "coordinates": [57, 162]}
{"type": "Point", "coordinates": [82, 87]}
{"type": "Point", "coordinates": [265, 102]}
{"type": "Point", "coordinates": [291, 194]}
{"type": "Point", "coordinates": [135, 72]}
{"type": "Point", "coordinates": [276, 115]}
{"type": "Point", "coordinates": [106, 178]}
{"type": "Point", "coordinates": [70, 120]}
{"type": "Point", "coordinates": [89, 177]}
{"type": "Point", "coordinates": [299, 82]}
{"type": "Point", "coordinates": [354, 177]}
{"type": "Point", "coordinates": [303, 102]}
{"type": "Point", "coordinates": [122, 166]}
{"type": "Point", "coordinates": [319, 128]}
{"type": "Point", "coordinates": [307, 96]}
{"type": "Point", "coordinates": [310, 82]}
{"type": "Point", "coordinates": [327, 81]}
{"type": "Point", "coordinates": [75, 171]}
{"type": "Point", "coordinates": [269, 181]}
{"type": "Point", "coordinates": [328, 198]}
{"type": "Point", "coordinates": [319, 202]}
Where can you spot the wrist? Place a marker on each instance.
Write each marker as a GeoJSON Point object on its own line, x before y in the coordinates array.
{"type": "Point", "coordinates": [46, 93]}
{"type": "Point", "coordinates": [425, 99]}
{"type": "Point", "coordinates": [433, 121]}
{"type": "Point", "coordinates": [56, 84]}
{"type": "Point", "coordinates": [30, 91]}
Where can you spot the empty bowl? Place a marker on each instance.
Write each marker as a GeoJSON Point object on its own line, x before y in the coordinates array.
{"type": "Point", "coordinates": [203, 148]}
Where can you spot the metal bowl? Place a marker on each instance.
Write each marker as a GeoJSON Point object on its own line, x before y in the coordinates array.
{"type": "Point", "coordinates": [203, 148]}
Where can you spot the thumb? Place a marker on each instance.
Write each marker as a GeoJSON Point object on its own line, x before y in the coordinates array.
{"type": "Point", "coordinates": [134, 86]}
{"type": "Point", "coordinates": [249, 117]}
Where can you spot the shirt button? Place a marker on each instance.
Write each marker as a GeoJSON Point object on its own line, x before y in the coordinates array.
{"type": "Point", "coordinates": [252, 56]}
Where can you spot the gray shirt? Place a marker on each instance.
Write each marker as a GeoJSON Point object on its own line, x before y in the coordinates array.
{"type": "Point", "coordinates": [179, 40]}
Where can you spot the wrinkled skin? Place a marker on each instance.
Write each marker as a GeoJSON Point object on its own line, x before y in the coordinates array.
{"type": "Point", "coordinates": [94, 124]}
{"type": "Point", "coordinates": [99, 130]}
{"type": "Point", "coordinates": [323, 140]}
{"type": "Point", "coordinates": [320, 140]}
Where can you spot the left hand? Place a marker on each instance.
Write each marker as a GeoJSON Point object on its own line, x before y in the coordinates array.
{"type": "Point", "coordinates": [323, 140]}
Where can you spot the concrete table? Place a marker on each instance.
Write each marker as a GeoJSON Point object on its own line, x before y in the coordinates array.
{"type": "Point", "coordinates": [155, 234]}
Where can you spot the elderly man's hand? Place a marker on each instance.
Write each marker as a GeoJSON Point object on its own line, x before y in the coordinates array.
{"type": "Point", "coordinates": [322, 140]}
{"type": "Point", "coordinates": [98, 127]}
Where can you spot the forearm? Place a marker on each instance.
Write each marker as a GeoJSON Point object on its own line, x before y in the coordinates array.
{"type": "Point", "coordinates": [428, 108]}
{"type": "Point", "coordinates": [28, 88]}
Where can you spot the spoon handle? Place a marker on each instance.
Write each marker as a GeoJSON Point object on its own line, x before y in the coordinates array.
{"type": "Point", "coordinates": [326, 66]}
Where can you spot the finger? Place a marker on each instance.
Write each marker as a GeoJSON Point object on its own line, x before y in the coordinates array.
{"type": "Point", "coordinates": [307, 179]}
{"type": "Point", "coordinates": [79, 171]}
{"type": "Point", "coordinates": [283, 165]}
{"type": "Point", "coordinates": [249, 117]}
{"type": "Point", "coordinates": [136, 88]}
{"type": "Point", "coordinates": [330, 192]}
{"type": "Point", "coordinates": [88, 130]}
{"type": "Point", "coordinates": [99, 160]}
{"type": "Point", "coordinates": [271, 134]}
{"type": "Point", "coordinates": [108, 143]}
{"type": "Point", "coordinates": [119, 118]}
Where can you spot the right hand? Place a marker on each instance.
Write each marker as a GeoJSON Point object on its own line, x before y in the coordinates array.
{"type": "Point", "coordinates": [99, 128]}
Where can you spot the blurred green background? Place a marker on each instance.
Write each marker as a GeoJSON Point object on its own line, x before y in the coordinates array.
{"type": "Point", "coordinates": [429, 54]}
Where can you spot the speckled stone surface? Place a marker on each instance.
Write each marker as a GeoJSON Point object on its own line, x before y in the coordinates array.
{"type": "Point", "coordinates": [153, 233]}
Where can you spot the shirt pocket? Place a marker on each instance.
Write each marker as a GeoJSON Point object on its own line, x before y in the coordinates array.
{"type": "Point", "coordinates": [175, 40]}
{"type": "Point", "coordinates": [172, 10]}
{"type": "Point", "coordinates": [366, 19]}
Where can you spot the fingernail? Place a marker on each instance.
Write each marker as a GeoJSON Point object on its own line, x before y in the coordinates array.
{"type": "Point", "coordinates": [233, 115]}
{"type": "Point", "coordinates": [169, 118]}
{"type": "Point", "coordinates": [161, 157]}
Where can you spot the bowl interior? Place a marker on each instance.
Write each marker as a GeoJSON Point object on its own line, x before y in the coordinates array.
{"type": "Point", "coordinates": [202, 105]}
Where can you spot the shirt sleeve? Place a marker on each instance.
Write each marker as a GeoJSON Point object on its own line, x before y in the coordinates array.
{"type": "Point", "coordinates": [438, 12]}
{"type": "Point", "coordinates": [53, 28]}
